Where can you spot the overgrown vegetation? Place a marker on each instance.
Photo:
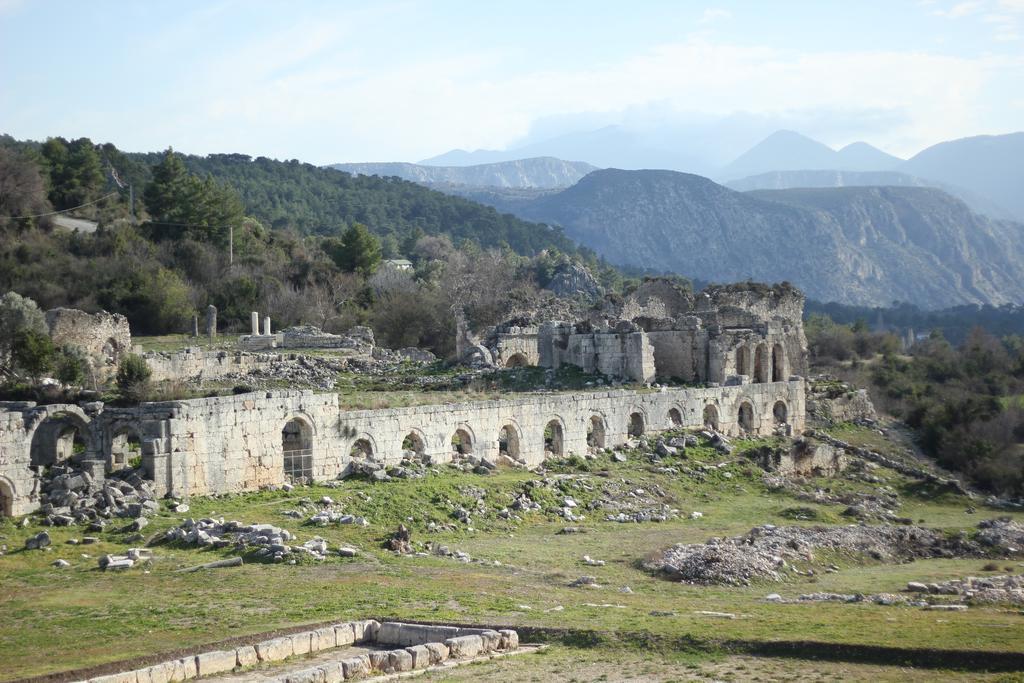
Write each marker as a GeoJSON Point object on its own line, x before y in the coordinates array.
{"type": "Point", "coordinates": [963, 401]}
{"type": "Point", "coordinates": [302, 243]}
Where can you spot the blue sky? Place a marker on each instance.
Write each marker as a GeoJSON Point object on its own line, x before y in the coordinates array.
{"type": "Point", "coordinates": [404, 80]}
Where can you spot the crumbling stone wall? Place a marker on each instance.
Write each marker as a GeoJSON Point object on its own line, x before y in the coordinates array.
{"type": "Point", "coordinates": [198, 364]}
{"type": "Point", "coordinates": [103, 337]}
{"type": "Point", "coordinates": [723, 335]}
{"type": "Point", "coordinates": [236, 443]}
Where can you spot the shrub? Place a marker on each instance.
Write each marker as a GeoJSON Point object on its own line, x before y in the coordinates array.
{"type": "Point", "coordinates": [70, 366]}
{"type": "Point", "coordinates": [32, 353]}
{"type": "Point", "coordinates": [133, 377]}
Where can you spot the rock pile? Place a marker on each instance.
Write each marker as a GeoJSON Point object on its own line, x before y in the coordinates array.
{"type": "Point", "coordinates": [264, 541]}
{"type": "Point", "coordinates": [73, 497]}
{"type": "Point", "coordinates": [768, 551]}
{"type": "Point", "coordinates": [973, 590]}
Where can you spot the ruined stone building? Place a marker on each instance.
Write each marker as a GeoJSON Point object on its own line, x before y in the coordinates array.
{"type": "Point", "coordinates": [103, 337]}
{"type": "Point", "coordinates": [245, 442]}
{"type": "Point", "coordinates": [735, 334]}
{"type": "Point", "coordinates": [743, 345]}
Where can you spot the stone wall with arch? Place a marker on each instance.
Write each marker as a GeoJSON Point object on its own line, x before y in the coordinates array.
{"type": "Point", "coordinates": [235, 443]}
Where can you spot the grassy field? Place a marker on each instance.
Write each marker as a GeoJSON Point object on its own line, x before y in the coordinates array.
{"type": "Point", "coordinates": [81, 616]}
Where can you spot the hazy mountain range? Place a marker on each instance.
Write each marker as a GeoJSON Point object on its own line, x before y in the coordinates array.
{"type": "Point", "coordinates": [854, 225]}
{"type": "Point", "coordinates": [540, 172]}
{"type": "Point", "coordinates": [857, 245]}
{"type": "Point", "coordinates": [986, 171]}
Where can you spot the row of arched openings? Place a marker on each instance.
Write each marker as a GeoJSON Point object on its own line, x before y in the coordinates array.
{"type": "Point", "coordinates": [297, 437]}
{"type": "Point", "coordinates": [762, 369]}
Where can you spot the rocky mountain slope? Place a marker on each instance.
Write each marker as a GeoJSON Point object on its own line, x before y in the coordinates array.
{"type": "Point", "coordinates": [539, 172]}
{"type": "Point", "coordinates": [991, 166]}
{"type": "Point", "coordinates": [784, 180]}
{"type": "Point", "coordinates": [853, 245]}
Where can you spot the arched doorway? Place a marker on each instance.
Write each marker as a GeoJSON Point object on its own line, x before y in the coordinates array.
{"type": "Point", "coordinates": [595, 432]}
{"type": "Point", "coordinates": [462, 442]}
{"type": "Point", "coordinates": [58, 438]}
{"type": "Point", "coordinates": [125, 449]}
{"type": "Point", "coordinates": [554, 438]}
{"type": "Point", "coordinates": [508, 442]}
{"type": "Point", "coordinates": [742, 361]}
{"type": "Point", "coordinates": [780, 412]}
{"type": "Point", "coordinates": [711, 417]}
{"type": "Point", "coordinates": [6, 498]}
{"type": "Point", "coordinates": [636, 425]}
{"type": "Point", "coordinates": [760, 364]}
{"type": "Point", "coordinates": [413, 443]}
{"type": "Point", "coordinates": [778, 363]}
{"type": "Point", "coordinates": [517, 360]}
{"type": "Point", "coordinates": [746, 417]}
{"type": "Point", "coordinates": [675, 417]}
{"type": "Point", "coordinates": [297, 445]}
{"type": "Point", "coordinates": [362, 449]}
{"type": "Point", "coordinates": [111, 351]}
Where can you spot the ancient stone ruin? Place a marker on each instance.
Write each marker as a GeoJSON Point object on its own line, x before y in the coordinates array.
{"type": "Point", "coordinates": [741, 349]}
{"type": "Point", "coordinates": [734, 334]}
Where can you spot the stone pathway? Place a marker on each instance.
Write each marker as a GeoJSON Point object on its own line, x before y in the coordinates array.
{"type": "Point", "coordinates": [279, 672]}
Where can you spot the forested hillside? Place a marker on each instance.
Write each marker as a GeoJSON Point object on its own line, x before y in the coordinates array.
{"type": "Point", "coordinates": [299, 242]}
{"type": "Point", "coordinates": [321, 201]}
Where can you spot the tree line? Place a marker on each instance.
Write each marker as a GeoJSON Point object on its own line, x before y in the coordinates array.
{"type": "Point", "coordinates": [965, 401]}
{"type": "Point", "coordinates": [301, 243]}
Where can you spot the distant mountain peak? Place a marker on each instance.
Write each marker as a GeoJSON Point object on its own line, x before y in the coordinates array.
{"type": "Point", "coordinates": [538, 172]}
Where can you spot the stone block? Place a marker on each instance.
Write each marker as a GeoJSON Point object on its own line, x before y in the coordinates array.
{"type": "Point", "coordinates": [438, 652]}
{"type": "Point", "coordinates": [390, 633]}
{"type": "Point", "coordinates": [420, 656]}
{"type": "Point", "coordinates": [366, 630]}
{"type": "Point", "coordinates": [215, 662]}
{"type": "Point", "coordinates": [301, 643]}
{"type": "Point", "coordinates": [344, 634]}
{"type": "Point", "coordinates": [312, 675]}
{"type": "Point", "coordinates": [439, 634]}
{"type": "Point", "coordinates": [333, 672]}
{"type": "Point", "coordinates": [323, 639]}
{"type": "Point", "coordinates": [400, 660]}
{"type": "Point", "coordinates": [160, 673]}
{"type": "Point", "coordinates": [246, 656]}
{"type": "Point", "coordinates": [275, 650]}
{"type": "Point", "coordinates": [509, 640]}
{"type": "Point", "coordinates": [380, 660]}
{"type": "Point", "coordinates": [491, 640]}
{"type": "Point", "coordinates": [463, 647]}
{"type": "Point", "coordinates": [355, 667]}
{"type": "Point", "coordinates": [123, 677]}
{"type": "Point", "coordinates": [185, 669]}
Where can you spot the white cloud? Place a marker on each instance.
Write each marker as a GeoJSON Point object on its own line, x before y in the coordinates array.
{"type": "Point", "coordinates": [713, 14]}
{"type": "Point", "coordinates": [961, 9]}
{"type": "Point", "coordinates": [418, 108]}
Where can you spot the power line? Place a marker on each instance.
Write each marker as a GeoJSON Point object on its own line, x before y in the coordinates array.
{"type": "Point", "coordinates": [54, 213]}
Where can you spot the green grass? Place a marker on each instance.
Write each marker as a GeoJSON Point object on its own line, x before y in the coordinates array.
{"type": "Point", "coordinates": [81, 616]}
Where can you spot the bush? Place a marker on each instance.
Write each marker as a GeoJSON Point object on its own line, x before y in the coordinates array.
{"type": "Point", "coordinates": [133, 377]}
{"type": "Point", "coordinates": [70, 366]}
{"type": "Point", "coordinates": [33, 353]}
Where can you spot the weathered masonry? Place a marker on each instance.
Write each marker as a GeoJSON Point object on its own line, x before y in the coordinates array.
{"type": "Point", "coordinates": [663, 332]}
{"type": "Point", "coordinates": [244, 442]}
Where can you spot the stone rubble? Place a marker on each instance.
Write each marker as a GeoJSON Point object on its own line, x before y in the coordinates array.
{"type": "Point", "coordinates": [71, 497]}
{"type": "Point", "coordinates": [262, 541]}
{"type": "Point", "coordinates": [1004, 589]}
{"type": "Point", "coordinates": [767, 552]}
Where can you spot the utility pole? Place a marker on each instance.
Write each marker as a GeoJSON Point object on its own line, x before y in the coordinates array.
{"type": "Point", "coordinates": [231, 245]}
